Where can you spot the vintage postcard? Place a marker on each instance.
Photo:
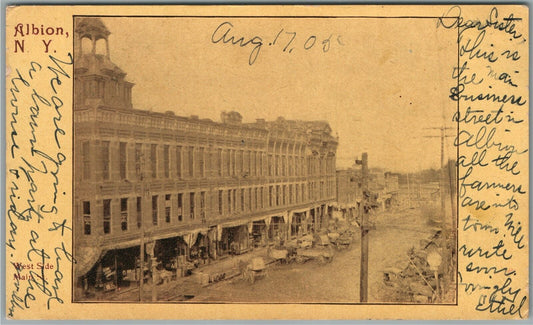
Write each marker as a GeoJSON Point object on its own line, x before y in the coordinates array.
{"type": "Point", "coordinates": [267, 162]}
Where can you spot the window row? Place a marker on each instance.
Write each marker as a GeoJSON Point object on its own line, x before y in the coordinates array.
{"type": "Point", "coordinates": [100, 88]}
{"type": "Point", "coordinates": [141, 161]}
{"type": "Point", "coordinates": [158, 213]}
{"type": "Point", "coordinates": [120, 215]}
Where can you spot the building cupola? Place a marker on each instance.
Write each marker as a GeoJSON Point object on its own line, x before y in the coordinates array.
{"type": "Point", "coordinates": [98, 82]}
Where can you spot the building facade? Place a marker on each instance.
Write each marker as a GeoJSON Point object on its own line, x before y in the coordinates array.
{"type": "Point", "coordinates": [349, 191]}
{"type": "Point", "coordinates": [184, 186]}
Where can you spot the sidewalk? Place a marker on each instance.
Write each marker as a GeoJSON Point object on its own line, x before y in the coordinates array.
{"type": "Point", "coordinates": [229, 265]}
{"type": "Point", "coordinates": [183, 288]}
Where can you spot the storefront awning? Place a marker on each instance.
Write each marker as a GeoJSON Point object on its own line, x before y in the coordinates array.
{"type": "Point", "coordinates": [86, 257]}
{"type": "Point", "coordinates": [235, 223]}
{"type": "Point", "coordinates": [300, 210]}
{"type": "Point", "coordinates": [181, 233]}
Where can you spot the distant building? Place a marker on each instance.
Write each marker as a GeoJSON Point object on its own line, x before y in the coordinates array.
{"type": "Point", "coordinates": [190, 188]}
{"type": "Point", "coordinates": [392, 189]}
{"type": "Point", "coordinates": [376, 181]}
{"type": "Point", "coordinates": [385, 185]}
{"type": "Point", "coordinates": [392, 183]}
{"type": "Point", "coordinates": [349, 191]}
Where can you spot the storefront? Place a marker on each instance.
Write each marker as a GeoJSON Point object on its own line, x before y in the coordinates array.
{"type": "Point", "coordinates": [299, 224]}
{"type": "Point", "coordinates": [278, 228]}
{"type": "Point", "coordinates": [259, 233]}
{"type": "Point", "coordinates": [116, 268]}
{"type": "Point", "coordinates": [233, 240]}
{"type": "Point", "coordinates": [199, 252]}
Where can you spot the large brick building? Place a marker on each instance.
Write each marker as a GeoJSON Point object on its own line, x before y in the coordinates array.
{"type": "Point", "coordinates": [190, 187]}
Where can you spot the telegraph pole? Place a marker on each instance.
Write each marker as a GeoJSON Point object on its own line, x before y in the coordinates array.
{"type": "Point", "coordinates": [442, 173]}
{"type": "Point", "coordinates": [363, 274]}
{"type": "Point", "coordinates": [141, 246]}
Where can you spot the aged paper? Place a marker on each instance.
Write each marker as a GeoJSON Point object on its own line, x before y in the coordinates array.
{"type": "Point", "coordinates": [267, 162]}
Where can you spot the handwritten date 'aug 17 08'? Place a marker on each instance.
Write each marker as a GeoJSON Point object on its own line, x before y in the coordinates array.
{"type": "Point", "coordinates": [287, 40]}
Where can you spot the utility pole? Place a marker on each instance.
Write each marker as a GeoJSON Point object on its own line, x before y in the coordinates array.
{"type": "Point", "coordinates": [442, 173]}
{"type": "Point", "coordinates": [141, 266]}
{"type": "Point", "coordinates": [141, 246]}
{"type": "Point", "coordinates": [363, 274]}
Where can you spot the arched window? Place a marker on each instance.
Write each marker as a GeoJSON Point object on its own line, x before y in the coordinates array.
{"type": "Point", "coordinates": [86, 45]}
{"type": "Point", "coordinates": [101, 47]}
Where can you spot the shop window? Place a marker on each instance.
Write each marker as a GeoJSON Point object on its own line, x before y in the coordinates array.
{"type": "Point", "coordinates": [166, 161]}
{"type": "Point", "coordinates": [233, 156]}
{"type": "Point", "coordinates": [229, 201]}
{"type": "Point", "coordinates": [220, 194]}
{"type": "Point", "coordinates": [227, 161]}
{"type": "Point", "coordinates": [138, 157]}
{"type": "Point", "coordinates": [219, 162]}
{"type": "Point", "coordinates": [249, 201]}
{"type": "Point", "coordinates": [256, 199]}
{"type": "Point", "coordinates": [107, 216]}
{"type": "Point", "coordinates": [261, 198]}
{"type": "Point", "coordinates": [86, 153]}
{"type": "Point", "coordinates": [86, 217]}
{"type": "Point", "coordinates": [234, 200]}
{"type": "Point", "coordinates": [154, 210]}
{"type": "Point", "coordinates": [242, 199]}
{"type": "Point", "coordinates": [122, 160]}
{"type": "Point", "coordinates": [180, 207]}
{"type": "Point", "coordinates": [178, 161]}
{"type": "Point", "coordinates": [191, 206]}
{"type": "Point", "coordinates": [201, 162]}
{"type": "Point", "coordinates": [105, 160]}
{"type": "Point", "coordinates": [290, 194]}
{"type": "Point", "coordinates": [139, 212]}
{"type": "Point", "coordinates": [124, 214]}
{"type": "Point", "coordinates": [167, 208]}
{"type": "Point", "coordinates": [153, 159]}
{"type": "Point", "coordinates": [191, 161]}
{"type": "Point", "coordinates": [202, 206]}
{"type": "Point", "coordinates": [167, 214]}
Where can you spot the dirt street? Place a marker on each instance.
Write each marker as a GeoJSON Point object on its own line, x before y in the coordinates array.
{"type": "Point", "coordinates": [335, 282]}
{"type": "Point", "coordinates": [338, 281]}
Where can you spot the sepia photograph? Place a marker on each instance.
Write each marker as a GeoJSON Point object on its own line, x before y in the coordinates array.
{"type": "Point", "coordinates": [264, 159]}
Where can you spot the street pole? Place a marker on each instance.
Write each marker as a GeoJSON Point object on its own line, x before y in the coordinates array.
{"type": "Point", "coordinates": [144, 199]}
{"type": "Point", "coordinates": [442, 173]}
{"type": "Point", "coordinates": [363, 274]}
{"type": "Point", "coordinates": [442, 177]}
{"type": "Point", "coordinates": [116, 271]}
{"type": "Point", "coordinates": [141, 266]}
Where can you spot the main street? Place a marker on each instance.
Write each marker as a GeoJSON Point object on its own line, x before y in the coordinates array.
{"type": "Point", "coordinates": [338, 281]}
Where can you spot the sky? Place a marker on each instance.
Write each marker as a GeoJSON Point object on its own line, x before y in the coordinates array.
{"type": "Point", "coordinates": [380, 84]}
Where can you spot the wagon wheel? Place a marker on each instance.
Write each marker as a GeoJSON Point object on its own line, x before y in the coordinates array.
{"type": "Point", "coordinates": [299, 259]}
